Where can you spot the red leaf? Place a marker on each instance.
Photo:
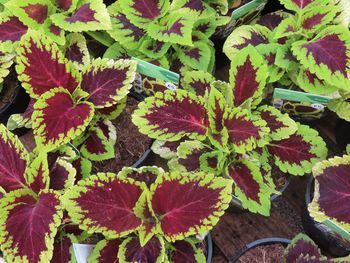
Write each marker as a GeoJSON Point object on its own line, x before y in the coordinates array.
{"type": "Point", "coordinates": [292, 150]}
{"type": "Point", "coordinates": [52, 129]}
{"type": "Point", "coordinates": [243, 178]}
{"type": "Point", "coordinates": [106, 82]}
{"type": "Point", "coordinates": [179, 212]}
{"type": "Point", "coordinates": [108, 253]}
{"type": "Point", "coordinates": [12, 29]}
{"type": "Point", "coordinates": [37, 12]}
{"type": "Point", "coordinates": [42, 67]}
{"type": "Point", "coordinates": [83, 14]}
{"type": "Point", "coordinates": [108, 202]}
{"type": "Point", "coordinates": [331, 51]}
{"type": "Point", "coordinates": [23, 235]}
{"type": "Point", "coordinates": [183, 252]}
{"type": "Point", "coordinates": [12, 161]}
{"type": "Point", "coordinates": [334, 192]}
{"type": "Point", "coordinates": [61, 253]}
{"type": "Point", "coordinates": [64, 4]}
{"type": "Point", "coordinates": [134, 252]}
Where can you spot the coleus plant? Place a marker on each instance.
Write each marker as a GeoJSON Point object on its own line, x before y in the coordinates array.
{"type": "Point", "coordinates": [31, 212]}
{"type": "Point", "coordinates": [145, 215]}
{"type": "Point", "coordinates": [309, 47]}
{"type": "Point", "coordinates": [179, 30]}
{"type": "Point", "coordinates": [52, 18]}
{"type": "Point", "coordinates": [303, 249]}
{"type": "Point", "coordinates": [332, 193]}
{"type": "Point", "coordinates": [67, 100]}
{"type": "Point", "coordinates": [219, 128]}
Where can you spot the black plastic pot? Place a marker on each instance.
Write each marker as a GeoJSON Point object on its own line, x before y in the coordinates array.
{"type": "Point", "coordinates": [342, 133]}
{"type": "Point", "coordinates": [236, 206]}
{"type": "Point", "coordinates": [261, 242]}
{"type": "Point", "coordinates": [209, 248]}
{"type": "Point", "coordinates": [323, 236]}
{"type": "Point", "coordinates": [18, 103]}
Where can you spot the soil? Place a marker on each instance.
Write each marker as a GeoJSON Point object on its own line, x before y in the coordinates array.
{"type": "Point", "coordinates": [130, 145]}
{"type": "Point", "coordinates": [263, 254]}
{"type": "Point", "coordinates": [279, 178]}
{"type": "Point", "coordinates": [9, 90]}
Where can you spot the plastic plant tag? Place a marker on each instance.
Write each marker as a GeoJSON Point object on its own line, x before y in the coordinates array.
{"type": "Point", "coordinates": [82, 252]}
{"type": "Point", "coordinates": [245, 9]}
{"type": "Point", "coordinates": [301, 104]}
{"type": "Point", "coordinates": [156, 72]}
{"type": "Point", "coordinates": [338, 229]}
{"type": "Point", "coordinates": [300, 96]}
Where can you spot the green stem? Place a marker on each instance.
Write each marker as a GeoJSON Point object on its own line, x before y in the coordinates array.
{"type": "Point", "coordinates": [101, 37]}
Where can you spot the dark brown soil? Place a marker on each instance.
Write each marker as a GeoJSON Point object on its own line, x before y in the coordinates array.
{"type": "Point", "coordinates": [263, 254]}
{"type": "Point", "coordinates": [130, 145]}
{"type": "Point", "coordinates": [278, 177]}
{"type": "Point", "coordinates": [9, 89]}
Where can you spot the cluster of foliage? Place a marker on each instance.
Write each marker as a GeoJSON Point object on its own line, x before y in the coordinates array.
{"type": "Point", "coordinates": [176, 31]}
{"type": "Point", "coordinates": [308, 48]}
{"type": "Point", "coordinates": [332, 192]}
{"type": "Point", "coordinates": [73, 98]}
{"type": "Point", "coordinates": [304, 250]}
{"type": "Point", "coordinates": [52, 18]}
{"type": "Point", "coordinates": [219, 128]}
{"type": "Point", "coordinates": [145, 214]}
{"type": "Point", "coordinates": [32, 220]}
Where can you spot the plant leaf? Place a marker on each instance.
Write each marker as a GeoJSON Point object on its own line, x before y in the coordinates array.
{"type": "Point", "coordinates": [244, 36]}
{"type": "Point", "coordinates": [281, 125]}
{"type": "Point", "coordinates": [272, 20]}
{"type": "Point", "coordinates": [197, 81]}
{"type": "Point", "coordinates": [153, 48]}
{"type": "Point", "coordinates": [302, 5]}
{"type": "Point", "coordinates": [248, 76]}
{"type": "Point", "coordinates": [104, 204]}
{"type": "Point", "coordinates": [298, 153]}
{"type": "Point", "coordinates": [52, 130]}
{"type": "Point", "coordinates": [185, 249]}
{"type": "Point", "coordinates": [172, 115]}
{"type": "Point", "coordinates": [89, 16]}
{"type": "Point", "coordinates": [165, 149]}
{"type": "Point", "coordinates": [316, 18]}
{"type": "Point", "coordinates": [250, 187]}
{"type": "Point", "coordinates": [175, 28]}
{"type": "Point", "coordinates": [62, 175]}
{"type": "Point", "coordinates": [13, 161]}
{"type": "Point", "coordinates": [123, 30]}
{"type": "Point", "coordinates": [112, 112]}
{"type": "Point", "coordinates": [327, 55]}
{"type": "Point", "coordinates": [108, 81]}
{"type": "Point", "coordinates": [141, 13]}
{"type": "Point", "coordinates": [76, 49]}
{"type": "Point", "coordinates": [311, 83]}
{"type": "Point", "coordinates": [21, 119]}
{"type": "Point", "coordinates": [42, 67]}
{"type": "Point", "coordinates": [194, 213]}
{"type": "Point", "coordinates": [32, 13]}
{"type": "Point", "coordinates": [22, 238]}
{"type": "Point", "coordinates": [131, 250]}
{"type": "Point", "coordinates": [245, 132]}
{"type": "Point", "coordinates": [145, 174]}
{"type": "Point", "coordinates": [66, 5]}
{"type": "Point", "coordinates": [341, 107]}
{"type": "Point", "coordinates": [99, 145]}
{"type": "Point", "coordinates": [11, 31]}
{"type": "Point", "coordinates": [105, 251]}
{"type": "Point", "coordinates": [62, 250]}
{"type": "Point", "coordinates": [37, 173]}
{"type": "Point", "coordinates": [301, 245]}
{"type": "Point", "coordinates": [188, 154]}
{"type": "Point", "coordinates": [331, 198]}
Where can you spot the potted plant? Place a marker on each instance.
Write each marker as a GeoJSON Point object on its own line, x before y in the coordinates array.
{"type": "Point", "coordinates": [219, 128]}
{"type": "Point", "coordinates": [297, 49]}
{"type": "Point", "coordinates": [326, 198]}
{"type": "Point", "coordinates": [31, 224]}
{"type": "Point", "coordinates": [90, 95]}
{"type": "Point", "coordinates": [144, 214]}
